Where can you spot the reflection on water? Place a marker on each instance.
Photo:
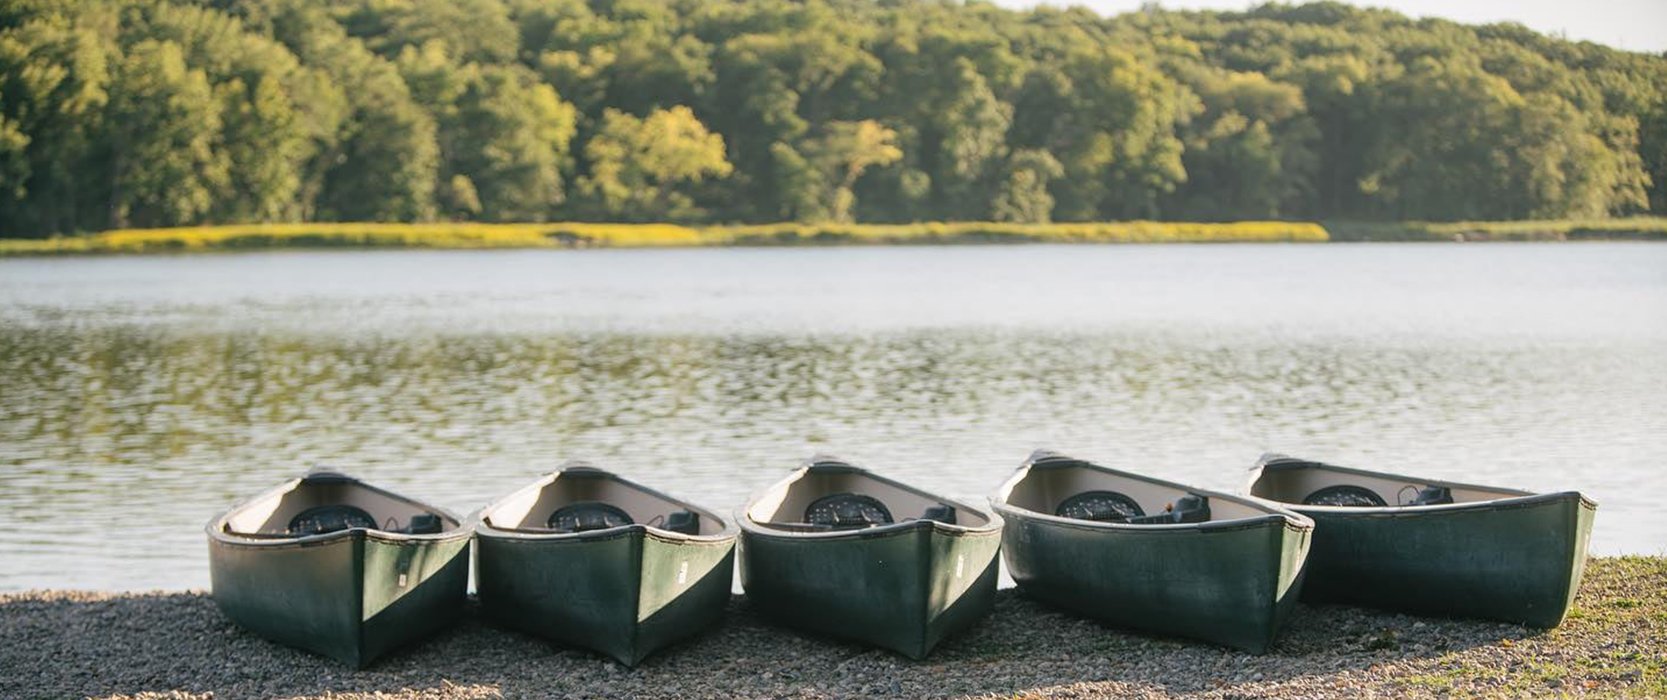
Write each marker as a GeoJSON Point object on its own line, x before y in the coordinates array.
{"type": "Point", "coordinates": [140, 396]}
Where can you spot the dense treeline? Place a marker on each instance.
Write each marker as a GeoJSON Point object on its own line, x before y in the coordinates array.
{"type": "Point", "coordinates": [133, 113]}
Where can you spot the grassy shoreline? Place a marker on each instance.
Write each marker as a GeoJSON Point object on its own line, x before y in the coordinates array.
{"type": "Point", "coordinates": [591, 235]}
{"type": "Point", "coordinates": [177, 645]}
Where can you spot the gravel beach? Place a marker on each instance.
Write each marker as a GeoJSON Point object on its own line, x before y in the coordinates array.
{"type": "Point", "coordinates": [177, 645]}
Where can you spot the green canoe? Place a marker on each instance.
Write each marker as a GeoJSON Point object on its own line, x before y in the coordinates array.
{"type": "Point", "coordinates": [1431, 546]}
{"type": "Point", "coordinates": [1136, 552]}
{"type": "Point", "coordinates": [591, 560]}
{"type": "Point", "coordinates": [835, 550]}
{"type": "Point", "coordinates": [331, 565]}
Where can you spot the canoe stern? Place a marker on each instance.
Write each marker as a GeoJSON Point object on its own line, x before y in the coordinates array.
{"type": "Point", "coordinates": [412, 589]}
{"type": "Point", "coordinates": [625, 593]}
{"type": "Point", "coordinates": [347, 596]}
{"type": "Point", "coordinates": [904, 587]}
{"type": "Point", "coordinates": [1516, 560]}
{"type": "Point", "coordinates": [303, 595]}
{"type": "Point", "coordinates": [1232, 585]}
{"type": "Point", "coordinates": [685, 589]}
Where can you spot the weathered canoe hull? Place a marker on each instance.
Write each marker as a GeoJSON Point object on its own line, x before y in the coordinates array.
{"type": "Point", "coordinates": [1230, 581]}
{"type": "Point", "coordinates": [1516, 560]}
{"type": "Point", "coordinates": [626, 593]}
{"type": "Point", "coordinates": [1232, 584]}
{"type": "Point", "coordinates": [902, 587]}
{"type": "Point", "coordinates": [352, 596]}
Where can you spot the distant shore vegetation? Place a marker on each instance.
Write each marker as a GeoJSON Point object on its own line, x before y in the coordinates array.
{"type": "Point", "coordinates": [595, 235]}
{"type": "Point", "coordinates": [586, 235]}
{"type": "Point", "coordinates": [144, 114]}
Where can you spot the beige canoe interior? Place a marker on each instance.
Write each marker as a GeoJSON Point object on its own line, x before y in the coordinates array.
{"type": "Point", "coordinates": [529, 509]}
{"type": "Point", "coordinates": [271, 514]}
{"type": "Point", "coordinates": [785, 503]}
{"type": "Point", "coordinates": [1045, 487]}
{"type": "Point", "coordinates": [1296, 484]}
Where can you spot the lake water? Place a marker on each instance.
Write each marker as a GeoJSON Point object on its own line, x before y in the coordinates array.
{"type": "Point", "coordinates": [139, 396]}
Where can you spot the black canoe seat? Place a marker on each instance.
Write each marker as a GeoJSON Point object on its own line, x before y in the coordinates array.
{"type": "Point", "coordinates": [684, 521]}
{"type": "Point", "coordinates": [1114, 507]}
{"type": "Point", "coordinates": [941, 512]}
{"type": "Point", "coordinates": [1345, 495]}
{"type": "Point", "coordinates": [845, 511]}
{"type": "Point", "coordinates": [334, 517]}
{"type": "Point", "coordinates": [585, 516]}
{"type": "Point", "coordinates": [1432, 496]}
{"type": "Point", "coordinates": [423, 524]}
{"type": "Point", "coordinates": [1099, 506]}
{"type": "Point", "coordinates": [1191, 508]}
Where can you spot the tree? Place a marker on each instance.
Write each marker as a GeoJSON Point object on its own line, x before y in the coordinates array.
{"type": "Point", "coordinates": [511, 139]}
{"type": "Point", "coordinates": [840, 155]}
{"type": "Point", "coordinates": [637, 165]}
{"type": "Point", "coordinates": [1023, 196]}
{"type": "Point", "coordinates": [215, 111]}
{"type": "Point", "coordinates": [383, 163]}
{"type": "Point", "coordinates": [54, 80]}
{"type": "Point", "coordinates": [1249, 152]}
{"type": "Point", "coordinates": [164, 120]}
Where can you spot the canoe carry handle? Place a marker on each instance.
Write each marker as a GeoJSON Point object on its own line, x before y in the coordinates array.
{"type": "Point", "coordinates": [1427, 496]}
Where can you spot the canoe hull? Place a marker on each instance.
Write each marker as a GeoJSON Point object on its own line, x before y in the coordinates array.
{"type": "Point", "coordinates": [351, 596]}
{"type": "Point", "coordinates": [903, 588]}
{"type": "Point", "coordinates": [1516, 560]}
{"type": "Point", "coordinates": [1232, 585]}
{"type": "Point", "coordinates": [625, 594]}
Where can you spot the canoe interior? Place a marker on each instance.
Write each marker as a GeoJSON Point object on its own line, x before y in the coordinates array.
{"type": "Point", "coordinates": [269, 515]}
{"type": "Point", "coordinates": [784, 504]}
{"type": "Point", "coordinates": [1047, 484]}
{"type": "Point", "coordinates": [1295, 482]}
{"type": "Point", "coordinates": [529, 509]}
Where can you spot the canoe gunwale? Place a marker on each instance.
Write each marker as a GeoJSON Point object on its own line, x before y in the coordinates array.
{"type": "Point", "coordinates": [1513, 503]}
{"type": "Point", "coordinates": [1518, 499]}
{"type": "Point", "coordinates": [754, 529]}
{"type": "Point", "coordinates": [218, 533]}
{"type": "Point", "coordinates": [1291, 518]}
{"type": "Point", "coordinates": [828, 463]}
{"type": "Point", "coordinates": [477, 521]}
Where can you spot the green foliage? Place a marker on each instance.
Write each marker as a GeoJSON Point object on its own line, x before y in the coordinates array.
{"type": "Point", "coordinates": [572, 234]}
{"type": "Point", "coordinates": [836, 157]}
{"type": "Point", "coordinates": [163, 121]}
{"type": "Point", "coordinates": [636, 165]}
{"type": "Point", "coordinates": [182, 112]}
{"type": "Point", "coordinates": [1023, 196]}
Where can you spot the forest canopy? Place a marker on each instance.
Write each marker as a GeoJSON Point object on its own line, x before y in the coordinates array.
{"type": "Point", "coordinates": [142, 113]}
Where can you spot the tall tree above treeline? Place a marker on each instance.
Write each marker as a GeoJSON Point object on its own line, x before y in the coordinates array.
{"type": "Point", "coordinates": [117, 113]}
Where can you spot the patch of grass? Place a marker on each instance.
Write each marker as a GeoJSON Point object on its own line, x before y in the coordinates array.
{"type": "Point", "coordinates": [987, 232]}
{"type": "Point", "coordinates": [1628, 228]}
{"type": "Point", "coordinates": [1609, 643]}
{"type": "Point", "coordinates": [588, 235]}
{"type": "Point", "coordinates": [555, 235]}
